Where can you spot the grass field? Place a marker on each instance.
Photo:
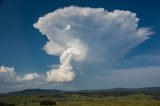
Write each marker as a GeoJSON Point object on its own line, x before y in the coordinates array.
{"type": "Point", "coordinates": [88, 99]}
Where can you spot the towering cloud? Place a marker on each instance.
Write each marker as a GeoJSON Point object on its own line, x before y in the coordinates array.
{"type": "Point", "coordinates": [88, 35]}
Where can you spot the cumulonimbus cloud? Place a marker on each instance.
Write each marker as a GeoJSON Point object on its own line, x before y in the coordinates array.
{"type": "Point", "coordinates": [85, 35]}
{"type": "Point", "coordinates": [88, 34]}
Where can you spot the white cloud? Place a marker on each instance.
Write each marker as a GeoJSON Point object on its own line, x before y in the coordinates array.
{"type": "Point", "coordinates": [6, 73]}
{"type": "Point", "coordinates": [84, 39]}
{"type": "Point", "coordinates": [11, 80]}
{"type": "Point", "coordinates": [64, 72]}
{"type": "Point", "coordinates": [29, 77]}
{"type": "Point", "coordinates": [93, 36]}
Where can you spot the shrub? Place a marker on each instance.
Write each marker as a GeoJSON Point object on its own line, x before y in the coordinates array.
{"type": "Point", "coordinates": [48, 103]}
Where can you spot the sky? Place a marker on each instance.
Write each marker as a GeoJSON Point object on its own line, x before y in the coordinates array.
{"type": "Point", "coordinates": [79, 44]}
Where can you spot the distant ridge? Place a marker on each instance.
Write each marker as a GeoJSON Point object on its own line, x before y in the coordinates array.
{"type": "Point", "coordinates": [35, 92]}
{"type": "Point", "coordinates": [54, 91]}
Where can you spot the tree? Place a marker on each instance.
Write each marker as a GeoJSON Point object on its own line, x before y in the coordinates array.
{"type": "Point", "coordinates": [48, 103]}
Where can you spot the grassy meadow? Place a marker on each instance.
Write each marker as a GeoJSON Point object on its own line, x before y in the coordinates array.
{"type": "Point", "coordinates": [86, 99]}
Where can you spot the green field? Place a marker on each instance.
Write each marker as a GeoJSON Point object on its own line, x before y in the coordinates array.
{"type": "Point", "coordinates": [85, 99]}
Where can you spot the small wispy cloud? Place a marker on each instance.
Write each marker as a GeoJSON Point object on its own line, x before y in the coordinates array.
{"type": "Point", "coordinates": [133, 77]}
{"type": "Point", "coordinates": [144, 60]}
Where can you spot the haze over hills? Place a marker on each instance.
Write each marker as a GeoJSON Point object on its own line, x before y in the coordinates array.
{"type": "Point", "coordinates": [54, 91]}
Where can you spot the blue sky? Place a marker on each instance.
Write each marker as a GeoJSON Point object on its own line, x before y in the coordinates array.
{"type": "Point", "coordinates": [21, 44]}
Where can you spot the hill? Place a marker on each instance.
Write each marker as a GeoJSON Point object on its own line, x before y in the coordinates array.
{"type": "Point", "coordinates": [54, 91]}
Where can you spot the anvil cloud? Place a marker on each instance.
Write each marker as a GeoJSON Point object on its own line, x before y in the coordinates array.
{"type": "Point", "coordinates": [77, 35]}
{"type": "Point", "coordinates": [88, 35]}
